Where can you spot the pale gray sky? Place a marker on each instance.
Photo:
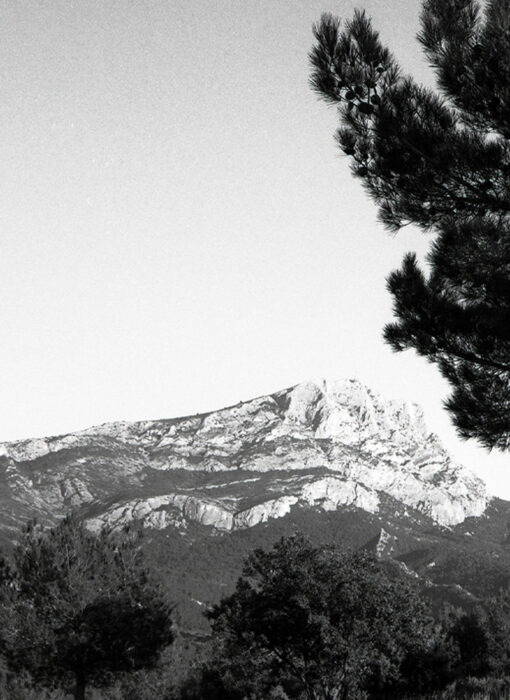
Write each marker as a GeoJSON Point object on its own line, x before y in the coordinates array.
{"type": "Point", "coordinates": [179, 231]}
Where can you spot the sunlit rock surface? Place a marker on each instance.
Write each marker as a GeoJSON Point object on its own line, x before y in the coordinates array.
{"type": "Point", "coordinates": [318, 445]}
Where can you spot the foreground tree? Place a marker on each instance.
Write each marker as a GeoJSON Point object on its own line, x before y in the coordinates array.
{"type": "Point", "coordinates": [481, 638]}
{"type": "Point", "coordinates": [442, 162]}
{"type": "Point", "coordinates": [312, 622]}
{"type": "Point", "coordinates": [80, 608]}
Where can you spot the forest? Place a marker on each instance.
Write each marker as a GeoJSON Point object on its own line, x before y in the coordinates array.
{"type": "Point", "coordinates": [87, 615]}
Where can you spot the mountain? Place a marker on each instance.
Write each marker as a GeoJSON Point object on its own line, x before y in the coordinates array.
{"type": "Point", "coordinates": [333, 459]}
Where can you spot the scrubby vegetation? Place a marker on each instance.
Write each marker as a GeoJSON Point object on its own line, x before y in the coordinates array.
{"type": "Point", "coordinates": [317, 622]}
{"type": "Point", "coordinates": [83, 614]}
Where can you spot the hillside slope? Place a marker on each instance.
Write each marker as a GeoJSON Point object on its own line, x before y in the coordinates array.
{"type": "Point", "coordinates": [332, 459]}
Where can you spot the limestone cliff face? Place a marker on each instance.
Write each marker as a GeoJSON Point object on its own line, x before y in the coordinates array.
{"type": "Point", "coordinates": [329, 493]}
{"type": "Point", "coordinates": [319, 444]}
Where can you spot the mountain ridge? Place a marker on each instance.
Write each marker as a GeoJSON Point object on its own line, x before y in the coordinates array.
{"type": "Point", "coordinates": [331, 459]}
{"type": "Point", "coordinates": [366, 447]}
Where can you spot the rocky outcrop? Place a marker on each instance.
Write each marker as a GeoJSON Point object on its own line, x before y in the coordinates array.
{"type": "Point", "coordinates": [328, 493]}
{"type": "Point", "coordinates": [240, 466]}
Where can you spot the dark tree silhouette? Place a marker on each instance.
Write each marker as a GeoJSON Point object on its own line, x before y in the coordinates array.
{"type": "Point", "coordinates": [440, 161]}
{"type": "Point", "coordinates": [313, 622]}
{"type": "Point", "coordinates": [79, 608]}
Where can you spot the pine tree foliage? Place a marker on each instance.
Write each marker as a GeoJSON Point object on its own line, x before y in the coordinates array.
{"type": "Point", "coordinates": [440, 161]}
{"type": "Point", "coordinates": [78, 608]}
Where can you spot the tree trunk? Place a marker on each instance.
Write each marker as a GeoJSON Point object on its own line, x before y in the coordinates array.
{"type": "Point", "coordinates": [79, 688]}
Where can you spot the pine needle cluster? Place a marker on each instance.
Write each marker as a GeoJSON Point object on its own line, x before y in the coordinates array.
{"type": "Point", "coordinates": [439, 160]}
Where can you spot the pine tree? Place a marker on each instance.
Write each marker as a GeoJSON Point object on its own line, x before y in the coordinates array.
{"type": "Point", "coordinates": [439, 160]}
{"type": "Point", "coordinates": [78, 608]}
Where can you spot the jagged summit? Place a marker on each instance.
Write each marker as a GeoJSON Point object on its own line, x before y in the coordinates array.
{"type": "Point", "coordinates": [342, 409]}
{"type": "Point", "coordinates": [323, 445]}
{"type": "Point", "coordinates": [348, 410]}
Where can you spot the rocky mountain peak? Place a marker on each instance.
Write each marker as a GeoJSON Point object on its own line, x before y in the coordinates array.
{"type": "Point", "coordinates": [320, 444]}
{"type": "Point", "coordinates": [347, 410]}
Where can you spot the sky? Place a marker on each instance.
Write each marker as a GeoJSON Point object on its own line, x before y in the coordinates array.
{"type": "Point", "coordinates": [179, 231]}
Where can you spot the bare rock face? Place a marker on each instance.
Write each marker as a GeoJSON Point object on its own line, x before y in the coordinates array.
{"type": "Point", "coordinates": [318, 445]}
